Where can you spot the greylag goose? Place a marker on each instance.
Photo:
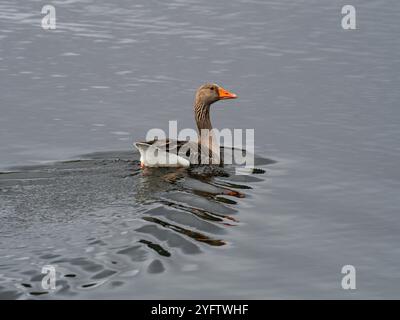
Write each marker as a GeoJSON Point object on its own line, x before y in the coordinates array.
{"type": "Point", "coordinates": [176, 153]}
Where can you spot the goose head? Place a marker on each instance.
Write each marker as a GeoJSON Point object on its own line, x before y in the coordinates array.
{"type": "Point", "coordinates": [206, 95]}
{"type": "Point", "coordinates": [209, 93]}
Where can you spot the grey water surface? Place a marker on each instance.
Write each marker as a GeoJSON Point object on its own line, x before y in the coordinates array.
{"type": "Point", "coordinates": [324, 103]}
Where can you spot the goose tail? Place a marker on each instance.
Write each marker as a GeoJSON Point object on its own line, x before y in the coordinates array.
{"type": "Point", "coordinates": [153, 156]}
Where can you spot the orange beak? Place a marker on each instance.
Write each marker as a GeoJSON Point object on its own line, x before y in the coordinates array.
{"type": "Point", "coordinates": [225, 94]}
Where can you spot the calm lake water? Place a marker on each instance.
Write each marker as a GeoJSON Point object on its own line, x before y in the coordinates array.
{"type": "Point", "coordinates": [324, 103]}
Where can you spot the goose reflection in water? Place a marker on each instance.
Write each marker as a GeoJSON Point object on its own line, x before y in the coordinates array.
{"type": "Point", "coordinates": [203, 194]}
